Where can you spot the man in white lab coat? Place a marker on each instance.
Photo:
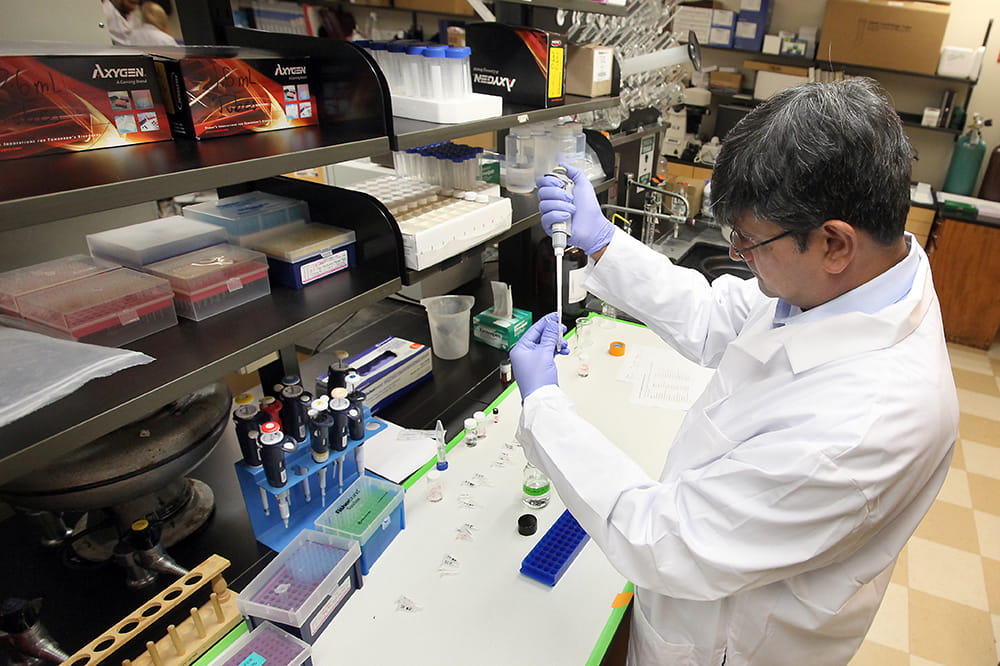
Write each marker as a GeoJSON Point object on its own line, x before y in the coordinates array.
{"type": "Point", "coordinates": [822, 439]}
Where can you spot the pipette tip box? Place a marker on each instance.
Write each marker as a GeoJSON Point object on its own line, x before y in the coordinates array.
{"type": "Point", "coordinates": [20, 282]}
{"type": "Point", "coordinates": [249, 213]}
{"type": "Point", "coordinates": [265, 645]}
{"type": "Point", "coordinates": [111, 308]}
{"type": "Point", "coordinates": [137, 245]}
{"type": "Point", "coordinates": [214, 279]}
{"type": "Point", "coordinates": [305, 586]}
{"type": "Point", "coordinates": [299, 254]}
{"type": "Point", "coordinates": [371, 511]}
{"type": "Point", "coordinates": [555, 551]}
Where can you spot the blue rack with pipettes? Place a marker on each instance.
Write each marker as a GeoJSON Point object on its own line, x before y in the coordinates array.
{"type": "Point", "coordinates": [555, 551]}
{"type": "Point", "coordinates": [268, 528]}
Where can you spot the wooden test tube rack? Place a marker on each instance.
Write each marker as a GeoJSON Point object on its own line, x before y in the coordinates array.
{"type": "Point", "coordinates": [183, 643]}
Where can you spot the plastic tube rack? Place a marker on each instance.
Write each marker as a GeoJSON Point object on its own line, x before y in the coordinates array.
{"type": "Point", "coordinates": [268, 527]}
{"type": "Point", "coordinates": [185, 642]}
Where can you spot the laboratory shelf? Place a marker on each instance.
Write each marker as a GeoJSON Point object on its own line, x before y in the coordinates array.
{"type": "Point", "coordinates": [188, 356]}
{"type": "Point", "coordinates": [591, 6]}
{"type": "Point", "coordinates": [408, 133]}
{"type": "Point", "coordinates": [41, 189]}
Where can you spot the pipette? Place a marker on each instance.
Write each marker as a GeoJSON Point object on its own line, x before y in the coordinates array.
{"type": "Point", "coordinates": [560, 232]}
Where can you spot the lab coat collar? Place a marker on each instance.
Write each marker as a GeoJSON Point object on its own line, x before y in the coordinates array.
{"type": "Point", "coordinates": [810, 344]}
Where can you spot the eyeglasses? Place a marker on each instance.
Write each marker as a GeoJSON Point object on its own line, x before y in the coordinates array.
{"type": "Point", "coordinates": [735, 238]}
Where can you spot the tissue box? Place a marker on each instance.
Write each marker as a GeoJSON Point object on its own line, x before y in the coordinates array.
{"type": "Point", "coordinates": [500, 332]}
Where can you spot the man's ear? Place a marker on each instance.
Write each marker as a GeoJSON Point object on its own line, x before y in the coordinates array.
{"type": "Point", "coordinates": [840, 245]}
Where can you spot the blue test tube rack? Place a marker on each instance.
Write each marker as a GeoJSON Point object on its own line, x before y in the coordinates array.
{"type": "Point", "coordinates": [268, 528]}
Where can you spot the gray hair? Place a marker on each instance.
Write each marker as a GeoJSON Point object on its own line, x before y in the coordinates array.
{"type": "Point", "coordinates": [818, 152]}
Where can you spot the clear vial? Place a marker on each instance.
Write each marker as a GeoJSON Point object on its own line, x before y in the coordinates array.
{"type": "Point", "coordinates": [535, 490]}
{"type": "Point", "coordinates": [480, 424]}
{"type": "Point", "coordinates": [435, 488]}
{"type": "Point", "coordinates": [471, 432]}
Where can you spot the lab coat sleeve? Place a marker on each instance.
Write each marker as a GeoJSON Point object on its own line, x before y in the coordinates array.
{"type": "Point", "coordinates": [698, 319]}
{"type": "Point", "coordinates": [764, 513]}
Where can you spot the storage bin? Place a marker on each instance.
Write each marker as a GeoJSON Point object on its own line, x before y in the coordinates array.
{"type": "Point", "coordinates": [214, 279]}
{"type": "Point", "coordinates": [370, 511]}
{"type": "Point", "coordinates": [265, 645]}
{"type": "Point", "coordinates": [304, 253]}
{"type": "Point", "coordinates": [148, 242]}
{"type": "Point", "coordinates": [249, 213]}
{"type": "Point", "coordinates": [111, 308]}
{"type": "Point", "coordinates": [22, 281]}
{"type": "Point", "coordinates": [304, 587]}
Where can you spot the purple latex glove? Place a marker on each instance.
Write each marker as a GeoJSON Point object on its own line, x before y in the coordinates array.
{"type": "Point", "coordinates": [533, 357]}
{"type": "Point", "coordinates": [590, 229]}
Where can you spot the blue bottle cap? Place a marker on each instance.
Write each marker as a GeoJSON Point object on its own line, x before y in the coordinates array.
{"type": "Point", "coordinates": [435, 52]}
{"type": "Point", "coordinates": [397, 47]}
{"type": "Point", "coordinates": [415, 49]}
{"type": "Point", "coordinates": [442, 465]}
{"type": "Point", "coordinates": [458, 52]}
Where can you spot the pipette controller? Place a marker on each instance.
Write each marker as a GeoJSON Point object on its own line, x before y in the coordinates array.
{"type": "Point", "coordinates": [560, 232]}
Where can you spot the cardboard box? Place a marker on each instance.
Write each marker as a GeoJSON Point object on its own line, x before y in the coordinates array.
{"type": "Point", "coordinates": [500, 332]}
{"type": "Point", "coordinates": [212, 97]}
{"type": "Point", "coordinates": [521, 65]}
{"type": "Point", "coordinates": [68, 103]}
{"type": "Point", "coordinates": [891, 34]}
{"type": "Point", "coordinates": [589, 70]}
{"type": "Point", "coordinates": [728, 80]}
{"type": "Point", "coordinates": [770, 83]}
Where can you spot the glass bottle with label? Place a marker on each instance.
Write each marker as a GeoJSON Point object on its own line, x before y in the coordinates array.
{"type": "Point", "coordinates": [535, 490]}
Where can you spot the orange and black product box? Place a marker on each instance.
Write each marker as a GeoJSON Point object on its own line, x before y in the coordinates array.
{"type": "Point", "coordinates": [69, 103]}
{"type": "Point", "coordinates": [522, 65]}
{"type": "Point", "coordinates": [210, 97]}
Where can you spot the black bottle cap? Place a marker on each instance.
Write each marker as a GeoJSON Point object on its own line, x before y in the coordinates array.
{"type": "Point", "coordinates": [527, 524]}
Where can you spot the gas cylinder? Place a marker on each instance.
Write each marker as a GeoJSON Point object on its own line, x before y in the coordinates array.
{"type": "Point", "coordinates": [967, 158]}
{"type": "Point", "coordinates": [990, 189]}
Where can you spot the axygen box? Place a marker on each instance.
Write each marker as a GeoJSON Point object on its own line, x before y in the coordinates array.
{"type": "Point", "coordinates": [212, 97]}
{"type": "Point", "coordinates": [521, 65]}
{"type": "Point", "coordinates": [69, 103]}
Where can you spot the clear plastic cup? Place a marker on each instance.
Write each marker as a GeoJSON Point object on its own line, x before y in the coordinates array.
{"type": "Point", "coordinates": [450, 319]}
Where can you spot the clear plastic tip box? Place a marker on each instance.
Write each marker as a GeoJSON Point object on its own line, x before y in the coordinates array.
{"type": "Point", "coordinates": [249, 213]}
{"type": "Point", "coordinates": [20, 282]}
{"type": "Point", "coordinates": [148, 242]}
{"type": "Point", "coordinates": [111, 308]}
{"type": "Point", "coordinates": [265, 645]}
{"type": "Point", "coordinates": [305, 585]}
{"type": "Point", "coordinates": [369, 511]}
{"type": "Point", "coordinates": [214, 279]}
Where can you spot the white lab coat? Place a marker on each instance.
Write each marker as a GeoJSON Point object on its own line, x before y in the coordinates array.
{"type": "Point", "coordinates": [793, 482]}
